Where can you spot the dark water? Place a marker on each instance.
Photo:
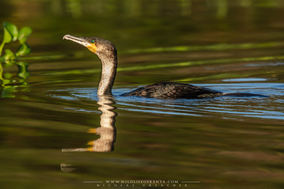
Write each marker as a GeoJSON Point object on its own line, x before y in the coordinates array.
{"type": "Point", "coordinates": [57, 133]}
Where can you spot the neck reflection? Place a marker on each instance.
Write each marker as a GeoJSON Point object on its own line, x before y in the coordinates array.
{"type": "Point", "coordinates": [107, 130]}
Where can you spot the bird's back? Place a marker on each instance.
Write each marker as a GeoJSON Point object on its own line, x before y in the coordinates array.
{"type": "Point", "coordinates": [174, 91]}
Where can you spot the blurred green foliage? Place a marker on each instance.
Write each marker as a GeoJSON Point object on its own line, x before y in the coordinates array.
{"type": "Point", "coordinates": [11, 34]}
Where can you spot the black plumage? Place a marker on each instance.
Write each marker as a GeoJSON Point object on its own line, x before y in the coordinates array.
{"type": "Point", "coordinates": [173, 90]}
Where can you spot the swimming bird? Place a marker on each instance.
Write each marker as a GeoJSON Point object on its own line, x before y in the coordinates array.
{"type": "Point", "coordinates": [107, 53]}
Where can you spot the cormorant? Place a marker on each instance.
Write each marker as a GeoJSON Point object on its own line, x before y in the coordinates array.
{"type": "Point", "coordinates": [106, 51]}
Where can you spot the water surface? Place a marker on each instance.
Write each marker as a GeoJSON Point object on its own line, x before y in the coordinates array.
{"type": "Point", "coordinates": [57, 133]}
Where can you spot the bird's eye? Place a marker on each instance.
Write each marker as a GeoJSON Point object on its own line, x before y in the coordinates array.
{"type": "Point", "coordinates": [93, 41]}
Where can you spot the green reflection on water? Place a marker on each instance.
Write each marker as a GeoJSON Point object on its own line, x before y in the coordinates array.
{"type": "Point", "coordinates": [168, 65]}
{"type": "Point", "coordinates": [209, 47]}
{"type": "Point", "coordinates": [9, 83]}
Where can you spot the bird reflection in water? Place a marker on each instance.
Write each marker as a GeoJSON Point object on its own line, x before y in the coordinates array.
{"type": "Point", "coordinates": [107, 130]}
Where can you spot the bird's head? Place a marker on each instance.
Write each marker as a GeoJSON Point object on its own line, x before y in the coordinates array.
{"type": "Point", "coordinates": [101, 47]}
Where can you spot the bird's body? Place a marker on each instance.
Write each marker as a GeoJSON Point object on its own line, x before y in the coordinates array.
{"type": "Point", "coordinates": [174, 91]}
{"type": "Point", "coordinates": [106, 51]}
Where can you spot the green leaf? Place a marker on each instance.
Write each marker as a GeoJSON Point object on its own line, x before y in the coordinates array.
{"type": "Point", "coordinates": [9, 55]}
{"type": "Point", "coordinates": [23, 50]}
{"type": "Point", "coordinates": [12, 29]}
{"type": "Point", "coordinates": [10, 34]}
{"type": "Point", "coordinates": [7, 37]}
{"type": "Point", "coordinates": [24, 34]}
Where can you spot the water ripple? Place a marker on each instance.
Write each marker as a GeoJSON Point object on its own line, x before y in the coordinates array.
{"type": "Point", "coordinates": [226, 107]}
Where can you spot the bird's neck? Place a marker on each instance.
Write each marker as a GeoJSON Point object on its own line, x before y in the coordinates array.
{"type": "Point", "coordinates": [109, 66]}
